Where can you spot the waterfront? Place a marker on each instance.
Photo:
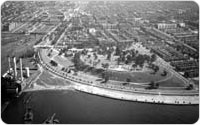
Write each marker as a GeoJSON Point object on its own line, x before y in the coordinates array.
{"type": "Point", "coordinates": [76, 107]}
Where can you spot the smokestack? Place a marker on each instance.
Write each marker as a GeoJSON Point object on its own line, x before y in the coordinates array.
{"type": "Point", "coordinates": [21, 72]}
{"type": "Point", "coordinates": [9, 65]}
{"type": "Point", "coordinates": [27, 72]}
{"type": "Point", "coordinates": [15, 67]}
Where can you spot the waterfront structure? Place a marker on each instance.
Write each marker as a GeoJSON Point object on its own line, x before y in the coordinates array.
{"type": "Point", "coordinates": [27, 71]}
{"type": "Point", "coordinates": [21, 71]}
{"type": "Point", "coordinates": [15, 68]}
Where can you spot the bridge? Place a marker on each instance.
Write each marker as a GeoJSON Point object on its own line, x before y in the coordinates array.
{"type": "Point", "coordinates": [50, 46]}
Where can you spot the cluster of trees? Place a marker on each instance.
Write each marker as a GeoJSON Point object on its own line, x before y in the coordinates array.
{"type": "Point", "coordinates": [130, 56]}
{"type": "Point", "coordinates": [164, 73]}
{"type": "Point", "coordinates": [53, 63]}
{"type": "Point", "coordinates": [78, 64]}
{"type": "Point", "coordinates": [189, 87]}
{"type": "Point", "coordinates": [153, 85]}
{"type": "Point", "coordinates": [154, 67]}
{"type": "Point", "coordinates": [105, 65]}
{"type": "Point", "coordinates": [63, 50]}
{"type": "Point", "coordinates": [76, 60]}
{"type": "Point", "coordinates": [84, 52]}
{"type": "Point", "coordinates": [140, 59]}
{"type": "Point", "coordinates": [27, 53]}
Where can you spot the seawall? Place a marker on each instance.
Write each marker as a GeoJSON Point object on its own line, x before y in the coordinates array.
{"type": "Point", "coordinates": [138, 97]}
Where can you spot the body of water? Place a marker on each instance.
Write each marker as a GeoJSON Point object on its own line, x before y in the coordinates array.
{"type": "Point", "coordinates": [77, 107]}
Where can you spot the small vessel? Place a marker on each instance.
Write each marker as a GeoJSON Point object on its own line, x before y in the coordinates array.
{"type": "Point", "coordinates": [28, 116]}
{"type": "Point", "coordinates": [51, 120]}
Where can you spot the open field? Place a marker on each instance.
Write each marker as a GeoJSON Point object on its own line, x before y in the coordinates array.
{"type": "Point", "coordinates": [139, 77]}
{"type": "Point", "coordinates": [47, 79]}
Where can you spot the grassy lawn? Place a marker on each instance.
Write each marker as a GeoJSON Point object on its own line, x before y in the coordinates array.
{"type": "Point", "coordinates": [138, 77]}
{"type": "Point", "coordinates": [173, 82]}
{"type": "Point", "coordinates": [46, 79]}
{"type": "Point", "coordinates": [65, 62]}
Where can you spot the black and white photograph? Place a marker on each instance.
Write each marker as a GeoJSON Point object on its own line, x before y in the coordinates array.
{"type": "Point", "coordinates": [99, 62]}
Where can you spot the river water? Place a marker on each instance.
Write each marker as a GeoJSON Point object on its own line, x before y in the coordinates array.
{"type": "Point", "coordinates": [72, 106]}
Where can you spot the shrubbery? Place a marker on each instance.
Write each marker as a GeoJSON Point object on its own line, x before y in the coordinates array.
{"type": "Point", "coordinates": [29, 52]}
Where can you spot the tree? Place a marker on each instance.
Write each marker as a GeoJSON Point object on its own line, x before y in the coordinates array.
{"type": "Point", "coordinates": [139, 60]}
{"type": "Point", "coordinates": [108, 55]}
{"type": "Point", "coordinates": [49, 54]}
{"type": "Point", "coordinates": [60, 52]}
{"type": "Point", "coordinates": [147, 58]}
{"type": "Point", "coordinates": [117, 51]}
{"type": "Point", "coordinates": [164, 73]}
{"type": "Point", "coordinates": [128, 59]}
{"type": "Point", "coordinates": [88, 56]}
{"type": "Point", "coordinates": [141, 65]}
{"type": "Point", "coordinates": [186, 74]}
{"type": "Point", "coordinates": [136, 52]}
{"type": "Point", "coordinates": [84, 52]}
{"type": "Point", "coordinates": [29, 52]}
{"type": "Point", "coordinates": [157, 85]}
{"type": "Point", "coordinates": [118, 60]}
{"type": "Point", "coordinates": [95, 56]}
{"type": "Point", "coordinates": [156, 68]}
{"type": "Point", "coordinates": [134, 65]}
{"type": "Point", "coordinates": [153, 85]}
{"type": "Point", "coordinates": [190, 87]}
{"type": "Point", "coordinates": [122, 56]}
{"type": "Point", "coordinates": [105, 65]}
{"type": "Point", "coordinates": [77, 61]}
{"type": "Point", "coordinates": [105, 76]}
{"type": "Point", "coordinates": [153, 57]}
{"type": "Point", "coordinates": [53, 63]}
{"type": "Point", "coordinates": [132, 54]}
{"type": "Point", "coordinates": [128, 80]}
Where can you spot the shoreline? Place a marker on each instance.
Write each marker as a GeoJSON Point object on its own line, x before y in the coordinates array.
{"type": "Point", "coordinates": [122, 95]}
{"type": "Point", "coordinates": [65, 89]}
{"type": "Point", "coordinates": [125, 96]}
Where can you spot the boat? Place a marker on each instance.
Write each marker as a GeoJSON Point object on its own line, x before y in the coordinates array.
{"type": "Point", "coordinates": [51, 120]}
{"type": "Point", "coordinates": [28, 116]}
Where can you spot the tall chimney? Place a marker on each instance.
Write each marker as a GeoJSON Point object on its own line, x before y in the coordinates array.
{"type": "Point", "coordinates": [9, 65]}
{"type": "Point", "coordinates": [15, 67]}
{"type": "Point", "coordinates": [21, 71]}
{"type": "Point", "coordinates": [27, 71]}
